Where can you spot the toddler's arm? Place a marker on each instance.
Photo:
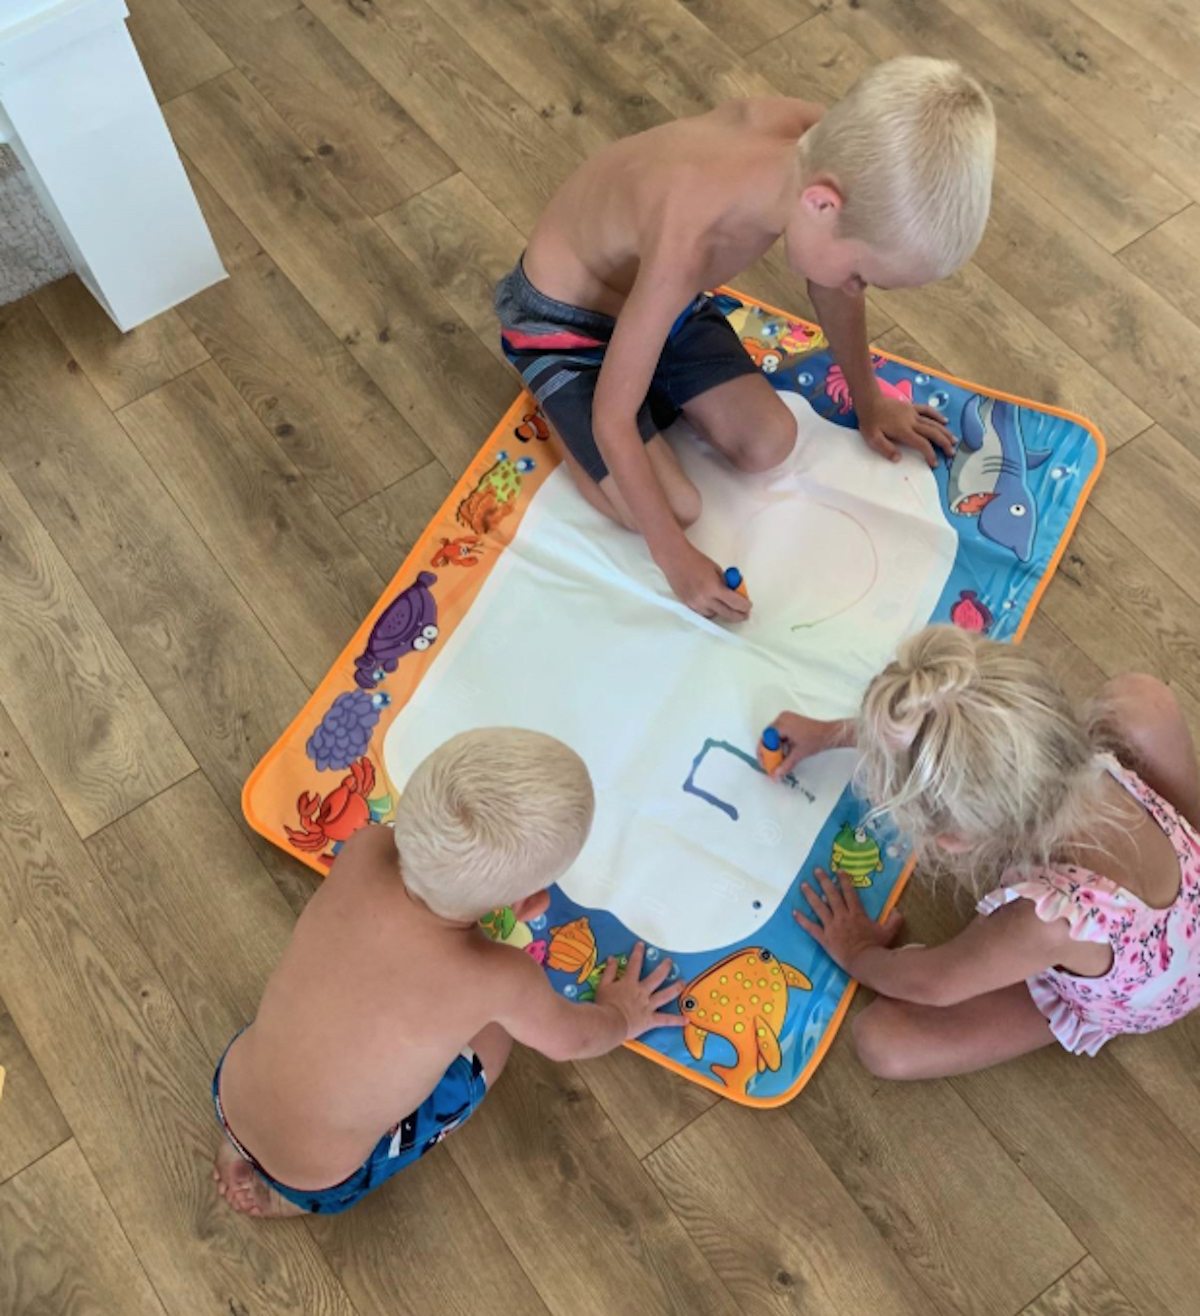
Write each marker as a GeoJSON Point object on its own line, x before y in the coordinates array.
{"type": "Point", "coordinates": [993, 951]}
{"type": "Point", "coordinates": [624, 1008]}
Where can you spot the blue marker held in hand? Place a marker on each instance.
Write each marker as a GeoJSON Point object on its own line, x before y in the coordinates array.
{"type": "Point", "coordinates": [735, 581]}
{"type": "Point", "coordinates": [770, 750]}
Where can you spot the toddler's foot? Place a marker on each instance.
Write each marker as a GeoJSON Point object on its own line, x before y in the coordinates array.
{"type": "Point", "coordinates": [244, 1191]}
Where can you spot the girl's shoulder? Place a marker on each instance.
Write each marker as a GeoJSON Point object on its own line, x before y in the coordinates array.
{"type": "Point", "coordinates": [1084, 900]}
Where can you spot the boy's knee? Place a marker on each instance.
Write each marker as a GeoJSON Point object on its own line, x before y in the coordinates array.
{"type": "Point", "coordinates": [686, 505]}
{"type": "Point", "coordinates": [879, 1041]}
{"type": "Point", "coordinates": [766, 440]}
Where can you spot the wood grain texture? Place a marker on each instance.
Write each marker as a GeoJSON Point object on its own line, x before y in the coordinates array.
{"type": "Point", "coordinates": [402, 332]}
{"type": "Point", "coordinates": [175, 51]}
{"type": "Point", "coordinates": [1168, 34]}
{"type": "Point", "coordinates": [386, 526]}
{"type": "Point", "coordinates": [29, 1116]}
{"type": "Point", "coordinates": [463, 245]}
{"type": "Point", "coordinates": [576, 1179]}
{"type": "Point", "coordinates": [275, 539]}
{"type": "Point", "coordinates": [747, 26]}
{"type": "Point", "coordinates": [64, 1253]}
{"type": "Point", "coordinates": [1084, 1291]}
{"type": "Point", "coordinates": [774, 1222]}
{"type": "Point", "coordinates": [122, 366]}
{"type": "Point", "coordinates": [1168, 259]}
{"type": "Point", "coordinates": [926, 1173]}
{"type": "Point", "coordinates": [130, 1077]}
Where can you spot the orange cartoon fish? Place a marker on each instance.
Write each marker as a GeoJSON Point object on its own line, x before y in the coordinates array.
{"type": "Point", "coordinates": [744, 999]}
{"type": "Point", "coordinates": [572, 948]}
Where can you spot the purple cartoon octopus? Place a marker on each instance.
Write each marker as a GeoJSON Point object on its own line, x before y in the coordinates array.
{"type": "Point", "coordinates": [409, 622]}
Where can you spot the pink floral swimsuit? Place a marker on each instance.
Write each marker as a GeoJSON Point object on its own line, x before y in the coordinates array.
{"type": "Point", "coordinates": [1155, 974]}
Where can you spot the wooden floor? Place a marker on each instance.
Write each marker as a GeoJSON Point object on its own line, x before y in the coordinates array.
{"type": "Point", "coordinates": [194, 517]}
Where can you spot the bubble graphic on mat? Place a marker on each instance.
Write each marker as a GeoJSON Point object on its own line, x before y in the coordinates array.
{"type": "Point", "coordinates": [768, 833]}
{"type": "Point", "coordinates": [537, 924]}
{"type": "Point", "coordinates": [1059, 471]}
{"type": "Point", "coordinates": [757, 904]}
{"type": "Point", "coordinates": [939, 398]}
{"type": "Point", "coordinates": [570, 990]}
{"type": "Point", "coordinates": [893, 851]}
{"type": "Point", "coordinates": [921, 379]}
{"type": "Point", "coordinates": [804, 379]}
{"type": "Point", "coordinates": [1009, 604]}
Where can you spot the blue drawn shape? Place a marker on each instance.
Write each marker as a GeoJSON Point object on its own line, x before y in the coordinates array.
{"type": "Point", "coordinates": [690, 784]}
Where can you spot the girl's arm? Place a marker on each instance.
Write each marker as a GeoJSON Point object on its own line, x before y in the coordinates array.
{"type": "Point", "coordinates": [993, 951]}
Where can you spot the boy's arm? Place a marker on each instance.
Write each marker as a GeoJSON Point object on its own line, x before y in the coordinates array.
{"type": "Point", "coordinates": [993, 951]}
{"type": "Point", "coordinates": [882, 421]}
{"type": "Point", "coordinates": [533, 1013]}
{"type": "Point", "coordinates": [667, 281]}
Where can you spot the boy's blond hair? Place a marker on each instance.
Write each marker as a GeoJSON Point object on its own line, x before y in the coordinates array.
{"type": "Point", "coordinates": [966, 738]}
{"type": "Point", "coordinates": [490, 817]}
{"type": "Point", "coordinates": [911, 148]}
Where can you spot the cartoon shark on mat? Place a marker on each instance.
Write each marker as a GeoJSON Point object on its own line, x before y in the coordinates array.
{"type": "Point", "coordinates": [989, 475]}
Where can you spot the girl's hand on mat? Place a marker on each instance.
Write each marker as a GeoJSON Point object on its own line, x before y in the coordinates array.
{"type": "Point", "coordinates": [803, 737]}
{"type": "Point", "coordinates": [839, 924]}
{"type": "Point", "coordinates": [700, 583]}
{"type": "Point", "coordinates": [641, 1001]}
{"type": "Point", "coordinates": [885, 422]}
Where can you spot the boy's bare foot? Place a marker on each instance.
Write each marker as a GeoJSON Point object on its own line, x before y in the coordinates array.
{"type": "Point", "coordinates": [244, 1191]}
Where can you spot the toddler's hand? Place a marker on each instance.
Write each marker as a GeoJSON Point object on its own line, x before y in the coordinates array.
{"type": "Point", "coordinates": [641, 1001]}
{"type": "Point", "coordinates": [840, 925]}
{"type": "Point", "coordinates": [885, 422]}
{"type": "Point", "coordinates": [700, 583]}
{"type": "Point", "coordinates": [802, 737]}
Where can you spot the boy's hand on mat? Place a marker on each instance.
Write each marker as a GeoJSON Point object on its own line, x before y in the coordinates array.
{"type": "Point", "coordinates": [700, 583]}
{"type": "Point", "coordinates": [641, 1001]}
{"type": "Point", "coordinates": [887, 422]}
{"type": "Point", "coordinates": [839, 924]}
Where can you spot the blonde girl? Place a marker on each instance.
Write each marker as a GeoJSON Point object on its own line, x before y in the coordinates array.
{"type": "Point", "coordinates": [1083, 823]}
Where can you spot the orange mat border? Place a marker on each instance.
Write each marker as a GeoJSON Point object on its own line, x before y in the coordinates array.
{"type": "Point", "coordinates": [418, 556]}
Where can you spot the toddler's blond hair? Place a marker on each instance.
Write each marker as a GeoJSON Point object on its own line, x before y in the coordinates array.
{"type": "Point", "coordinates": [966, 738]}
{"type": "Point", "coordinates": [490, 817]}
{"type": "Point", "coordinates": [911, 147]}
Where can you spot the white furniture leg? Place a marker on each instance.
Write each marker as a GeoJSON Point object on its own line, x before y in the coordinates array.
{"type": "Point", "coordinates": [77, 108]}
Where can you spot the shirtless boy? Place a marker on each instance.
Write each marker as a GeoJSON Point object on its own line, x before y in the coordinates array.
{"type": "Point", "coordinates": [391, 1013]}
{"type": "Point", "coordinates": [602, 317]}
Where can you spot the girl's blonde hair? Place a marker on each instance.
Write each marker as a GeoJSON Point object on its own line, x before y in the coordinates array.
{"type": "Point", "coordinates": [964, 738]}
{"type": "Point", "coordinates": [911, 147]}
{"type": "Point", "coordinates": [490, 817]}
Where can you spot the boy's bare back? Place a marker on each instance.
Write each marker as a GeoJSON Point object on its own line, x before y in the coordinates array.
{"type": "Point", "coordinates": [704, 194]}
{"type": "Point", "coordinates": [372, 1000]}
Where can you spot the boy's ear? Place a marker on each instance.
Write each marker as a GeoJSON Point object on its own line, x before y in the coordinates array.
{"type": "Point", "coordinates": [821, 199]}
{"type": "Point", "coordinates": [531, 906]}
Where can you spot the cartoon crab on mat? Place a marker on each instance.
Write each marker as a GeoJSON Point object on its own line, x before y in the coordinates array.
{"type": "Point", "coordinates": [338, 816]}
{"type": "Point", "coordinates": [408, 623]}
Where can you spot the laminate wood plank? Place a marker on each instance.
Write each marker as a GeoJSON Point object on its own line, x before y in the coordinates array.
{"type": "Point", "coordinates": [463, 245]}
{"type": "Point", "coordinates": [927, 1174]}
{"type": "Point", "coordinates": [1151, 493]}
{"type": "Point", "coordinates": [176, 52]}
{"type": "Point", "coordinates": [214, 670]}
{"type": "Point", "coordinates": [215, 943]}
{"type": "Point", "coordinates": [31, 1119]}
{"type": "Point", "coordinates": [1168, 259]}
{"type": "Point", "coordinates": [774, 1222]}
{"type": "Point", "coordinates": [1113, 1167]}
{"type": "Point", "coordinates": [400, 330]}
{"type": "Point", "coordinates": [1084, 1291]}
{"type": "Point", "coordinates": [275, 539]}
{"type": "Point", "coordinates": [814, 62]}
{"type": "Point", "coordinates": [339, 113]}
{"type": "Point", "coordinates": [83, 709]}
{"type": "Point", "coordinates": [476, 118]}
{"type": "Point", "coordinates": [386, 526]}
{"type": "Point", "coordinates": [1097, 306]}
{"type": "Point", "coordinates": [1168, 33]}
{"type": "Point", "coordinates": [128, 1073]}
{"type": "Point", "coordinates": [1122, 92]}
{"type": "Point", "coordinates": [574, 1179]}
{"type": "Point", "coordinates": [648, 1104]}
{"type": "Point", "coordinates": [123, 366]}
{"type": "Point", "coordinates": [746, 25]}
{"type": "Point", "coordinates": [679, 61]}
{"type": "Point", "coordinates": [327, 414]}
{"type": "Point", "coordinates": [549, 57]}
{"type": "Point", "coordinates": [1121, 610]}
{"type": "Point", "coordinates": [64, 1253]}
{"type": "Point", "coordinates": [1094, 180]}
{"type": "Point", "coordinates": [1070, 666]}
